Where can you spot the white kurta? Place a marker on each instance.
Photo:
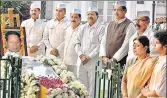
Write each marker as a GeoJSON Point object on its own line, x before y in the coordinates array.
{"type": "Point", "coordinates": [158, 78]}
{"type": "Point", "coordinates": [149, 33]}
{"type": "Point", "coordinates": [70, 55]}
{"type": "Point", "coordinates": [88, 43]}
{"type": "Point", "coordinates": [54, 35]}
{"type": "Point", "coordinates": [34, 34]}
{"type": "Point", "coordinates": [163, 26]}
{"type": "Point", "coordinates": [123, 51]}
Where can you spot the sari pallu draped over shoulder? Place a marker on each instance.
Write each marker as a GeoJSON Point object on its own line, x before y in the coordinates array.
{"type": "Point", "coordinates": [138, 74]}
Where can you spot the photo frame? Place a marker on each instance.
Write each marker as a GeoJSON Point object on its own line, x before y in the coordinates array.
{"type": "Point", "coordinates": [21, 31]}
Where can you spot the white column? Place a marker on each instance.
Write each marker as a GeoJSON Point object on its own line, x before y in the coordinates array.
{"type": "Point", "coordinates": [54, 9]}
{"type": "Point", "coordinates": [131, 9]}
{"type": "Point", "coordinates": [148, 7]}
{"type": "Point", "coordinates": [49, 9]}
{"type": "Point", "coordinates": [84, 8]}
{"type": "Point", "coordinates": [105, 10]}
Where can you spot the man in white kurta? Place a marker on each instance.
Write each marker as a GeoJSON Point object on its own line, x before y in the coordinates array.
{"type": "Point", "coordinates": [87, 47]}
{"type": "Point", "coordinates": [34, 28]}
{"type": "Point", "coordinates": [70, 55]}
{"type": "Point", "coordinates": [143, 29]}
{"type": "Point", "coordinates": [54, 34]}
{"type": "Point", "coordinates": [114, 45]}
{"type": "Point", "coordinates": [163, 25]}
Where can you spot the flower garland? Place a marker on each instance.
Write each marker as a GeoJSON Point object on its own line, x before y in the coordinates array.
{"type": "Point", "coordinates": [5, 65]}
{"type": "Point", "coordinates": [29, 86]}
{"type": "Point", "coordinates": [71, 87]}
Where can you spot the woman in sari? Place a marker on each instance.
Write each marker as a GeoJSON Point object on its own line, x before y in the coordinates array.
{"type": "Point", "coordinates": [157, 85]}
{"type": "Point", "coordinates": [138, 70]}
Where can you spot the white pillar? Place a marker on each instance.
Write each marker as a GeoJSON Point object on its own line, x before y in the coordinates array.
{"type": "Point", "coordinates": [84, 8]}
{"type": "Point", "coordinates": [148, 7]}
{"type": "Point", "coordinates": [105, 10]}
{"type": "Point", "coordinates": [131, 9]}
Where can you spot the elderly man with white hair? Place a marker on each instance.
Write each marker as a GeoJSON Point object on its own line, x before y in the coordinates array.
{"type": "Point", "coordinates": [54, 34]}
{"type": "Point", "coordinates": [70, 56]}
{"type": "Point", "coordinates": [87, 46]}
{"type": "Point", "coordinates": [34, 28]}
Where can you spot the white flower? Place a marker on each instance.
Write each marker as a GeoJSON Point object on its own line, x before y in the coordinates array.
{"type": "Point", "coordinates": [67, 76]}
{"type": "Point", "coordinates": [71, 74]}
{"type": "Point", "coordinates": [33, 82]}
{"type": "Point", "coordinates": [55, 67]}
{"type": "Point", "coordinates": [63, 67]}
{"type": "Point", "coordinates": [58, 71]}
{"type": "Point", "coordinates": [39, 57]}
{"type": "Point", "coordinates": [63, 73]}
{"type": "Point", "coordinates": [72, 94]}
{"type": "Point", "coordinates": [79, 85]}
{"type": "Point", "coordinates": [30, 91]}
{"type": "Point", "coordinates": [65, 87]}
{"type": "Point", "coordinates": [65, 95]}
{"type": "Point", "coordinates": [51, 62]}
{"type": "Point", "coordinates": [52, 57]}
{"type": "Point", "coordinates": [29, 86]}
{"type": "Point", "coordinates": [50, 96]}
{"type": "Point", "coordinates": [59, 96]}
{"type": "Point", "coordinates": [56, 91]}
{"type": "Point", "coordinates": [15, 54]}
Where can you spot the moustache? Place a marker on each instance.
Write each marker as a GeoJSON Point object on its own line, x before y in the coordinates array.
{"type": "Point", "coordinates": [90, 18]}
{"type": "Point", "coordinates": [73, 21]}
{"type": "Point", "coordinates": [33, 14]}
{"type": "Point", "coordinates": [116, 14]}
{"type": "Point", "coordinates": [138, 25]}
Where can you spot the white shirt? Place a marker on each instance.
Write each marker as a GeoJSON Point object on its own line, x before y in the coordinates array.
{"type": "Point", "coordinates": [163, 26]}
{"type": "Point", "coordinates": [54, 35]}
{"type": "Point", "coordinates": [158, 78]}
{"type": "Point", "coordinates": [122, 52]}
{"type": "Point", "coordinates": [149, 33]}
{"type": "Point", "coordinates": [9, 52]}
{"type": "Point", "coordinates": [34, 34]}
{"type": "Point", "coordinates": [70, 55]}
{"type": "Point", "coordinates": [89, 39]}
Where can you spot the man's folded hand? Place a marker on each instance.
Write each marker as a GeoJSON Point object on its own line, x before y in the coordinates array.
{"type": "Point", "coordinates": [54, 52]}
{"type": "Point", "coordinates": [33, 49]}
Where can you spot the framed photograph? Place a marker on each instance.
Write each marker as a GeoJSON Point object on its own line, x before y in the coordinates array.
{"type": "Point", "coordinates": [21, 31]}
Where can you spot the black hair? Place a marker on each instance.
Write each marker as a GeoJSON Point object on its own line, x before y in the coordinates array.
{"type": "Point", "coordinates": [144, 41]}
{"type": "Point", "coordinates": [97, 14]}
{"type": "Point", "coordinates": [39, 9]}
{"type": "Point", "coordinates": [161, 36]}
{"type": "Point", "coordinates": [124, 8]}
{"type": "Point", "coordinates": [64, 9]}
{"type": "Point", "coordinates": [147, 18]}
{"type": "Point", "coordinates": [11, 33]}
{"type": "Point", "coordinates": [79, 16]}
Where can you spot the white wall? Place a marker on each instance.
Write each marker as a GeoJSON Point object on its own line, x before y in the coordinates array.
{"type": "Point", "coordinates": [160, 10]}
{"type": "Point", "coordinates": [132, 8]}
{"type": "Point", "coordinates": [147, 6]}
{"type": "Point", "coordinates": [131, 11]}
{"type": "Point", "coordinates": [70, 5]}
